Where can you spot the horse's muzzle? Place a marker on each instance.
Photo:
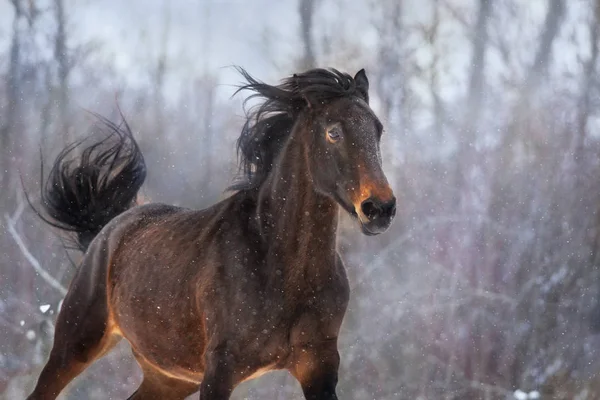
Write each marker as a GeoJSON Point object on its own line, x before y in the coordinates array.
{"type": "Point", "coordinates": [376, 215]}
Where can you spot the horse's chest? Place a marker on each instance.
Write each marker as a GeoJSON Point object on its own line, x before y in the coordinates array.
{"type": "Point", "coordinates": [280, 328]}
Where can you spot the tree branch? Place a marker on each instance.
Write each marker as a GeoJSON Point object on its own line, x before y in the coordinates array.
{"type": "Point", "coordinates": [10, 227]}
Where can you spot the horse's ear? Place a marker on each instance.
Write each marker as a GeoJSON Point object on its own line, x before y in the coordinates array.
{"type": "Point", "coordinates": [362, 84]}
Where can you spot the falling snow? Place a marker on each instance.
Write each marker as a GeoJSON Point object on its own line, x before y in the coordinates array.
{"type": "Point", "coordinates": [486, 286]}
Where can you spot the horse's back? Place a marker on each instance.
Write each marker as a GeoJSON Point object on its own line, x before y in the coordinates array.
{"type": "Point", "coordinates": [169, 241]}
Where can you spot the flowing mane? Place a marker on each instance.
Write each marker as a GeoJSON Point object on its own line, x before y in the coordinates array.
{"type": "Point", "coordinates": [269, 123]}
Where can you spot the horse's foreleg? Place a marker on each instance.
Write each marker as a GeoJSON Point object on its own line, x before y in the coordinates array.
{"type": "Point", "coordinates": [219, 374]}
{"type": "Point", "coordinates": [315, 366]}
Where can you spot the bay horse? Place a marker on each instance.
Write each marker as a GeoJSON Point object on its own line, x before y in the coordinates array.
{"type": "Point", "coordinates": [211, 298]}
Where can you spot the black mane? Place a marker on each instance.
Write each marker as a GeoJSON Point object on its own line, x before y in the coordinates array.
{"type": "Point", "coordinates": [270, 123]}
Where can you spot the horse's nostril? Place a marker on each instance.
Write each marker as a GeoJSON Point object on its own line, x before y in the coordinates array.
{"type": "Point", "coordinates": [371, 209]}
{"type": "Point", "coordinates": [389, 208]}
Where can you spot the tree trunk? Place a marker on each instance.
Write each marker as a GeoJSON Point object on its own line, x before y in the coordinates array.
{"type": "Point", "coordinates": [9, 132]}
{"type": "Point", "coordinates": [589, 72]}
{"type": "Point", "coordinates": [306, 9]}
{"type": "Point", "coordinates": [63, 64]}
{"type": "Point", "coordinates": [554, 16]}
{"type": "Point", "coordinates": [475, 97]}
{"type": "Point", "coordinates": [476, 81]}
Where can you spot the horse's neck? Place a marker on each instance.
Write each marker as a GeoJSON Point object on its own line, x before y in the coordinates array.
{"type": "Point", "coordinates": [300, 224]}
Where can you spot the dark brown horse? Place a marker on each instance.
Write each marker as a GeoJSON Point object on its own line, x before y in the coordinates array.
{"type": "Point", "coordinates": [211, 298]}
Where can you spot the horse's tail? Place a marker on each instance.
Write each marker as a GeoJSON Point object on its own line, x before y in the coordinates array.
{"type": "Point", "coordinates": [83, 194]}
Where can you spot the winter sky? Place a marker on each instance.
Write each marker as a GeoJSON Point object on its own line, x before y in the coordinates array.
{"type": "Point", "coordinates": [131, 35]}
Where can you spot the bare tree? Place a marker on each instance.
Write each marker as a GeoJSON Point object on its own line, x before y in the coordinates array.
{"type": "Point", "coordinates": [388, 76]}
{"type": "Point", "coordinates": [432, 35]}
{"type": "Point", "coordinates": [513, 139]}
{"type": "Point", "coordinates": [479, 45]}
{"type": "Point", "coordinates": [390, 71]}
{"type": "Point", "coordinates": [543, 55]}
{"type": "Point", "coordinates": [466, 156]}
{"type": "Point", "coordinates": [208, 89]}
{"type": "Point", "coordinates": [161, 69]}
{"type": "Point", "coordinates": [588, 82]}
{"type": "Point", "coordinates": [306, 10]}
{"type": "Point", "coordinates": [9, 129]}
{"type": "Point", "coordinates": [61, 55]}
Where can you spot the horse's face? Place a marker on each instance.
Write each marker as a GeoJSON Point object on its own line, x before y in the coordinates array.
{"type": "Point", "coordinates": [346, 163]}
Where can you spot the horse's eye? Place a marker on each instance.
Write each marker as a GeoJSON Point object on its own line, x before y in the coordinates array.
{"type": "Point", "coordinates": [334, 133]}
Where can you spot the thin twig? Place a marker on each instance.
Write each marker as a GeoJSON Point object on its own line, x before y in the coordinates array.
{"type": "Point", "coordinates": [11, 222]}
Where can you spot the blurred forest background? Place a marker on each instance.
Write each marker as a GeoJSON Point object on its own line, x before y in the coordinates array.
{"type": "Point", "coordinates": [488, 284]}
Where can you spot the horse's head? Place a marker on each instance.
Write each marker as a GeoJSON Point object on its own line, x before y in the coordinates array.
{"type": "Point", "coordinates": [344, 156]}
{"type": "Point", "coordinates": [330, 112]}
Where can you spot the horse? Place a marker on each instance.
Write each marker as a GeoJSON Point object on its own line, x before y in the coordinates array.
{"type": "Point", "coordinates": [211, 298]}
